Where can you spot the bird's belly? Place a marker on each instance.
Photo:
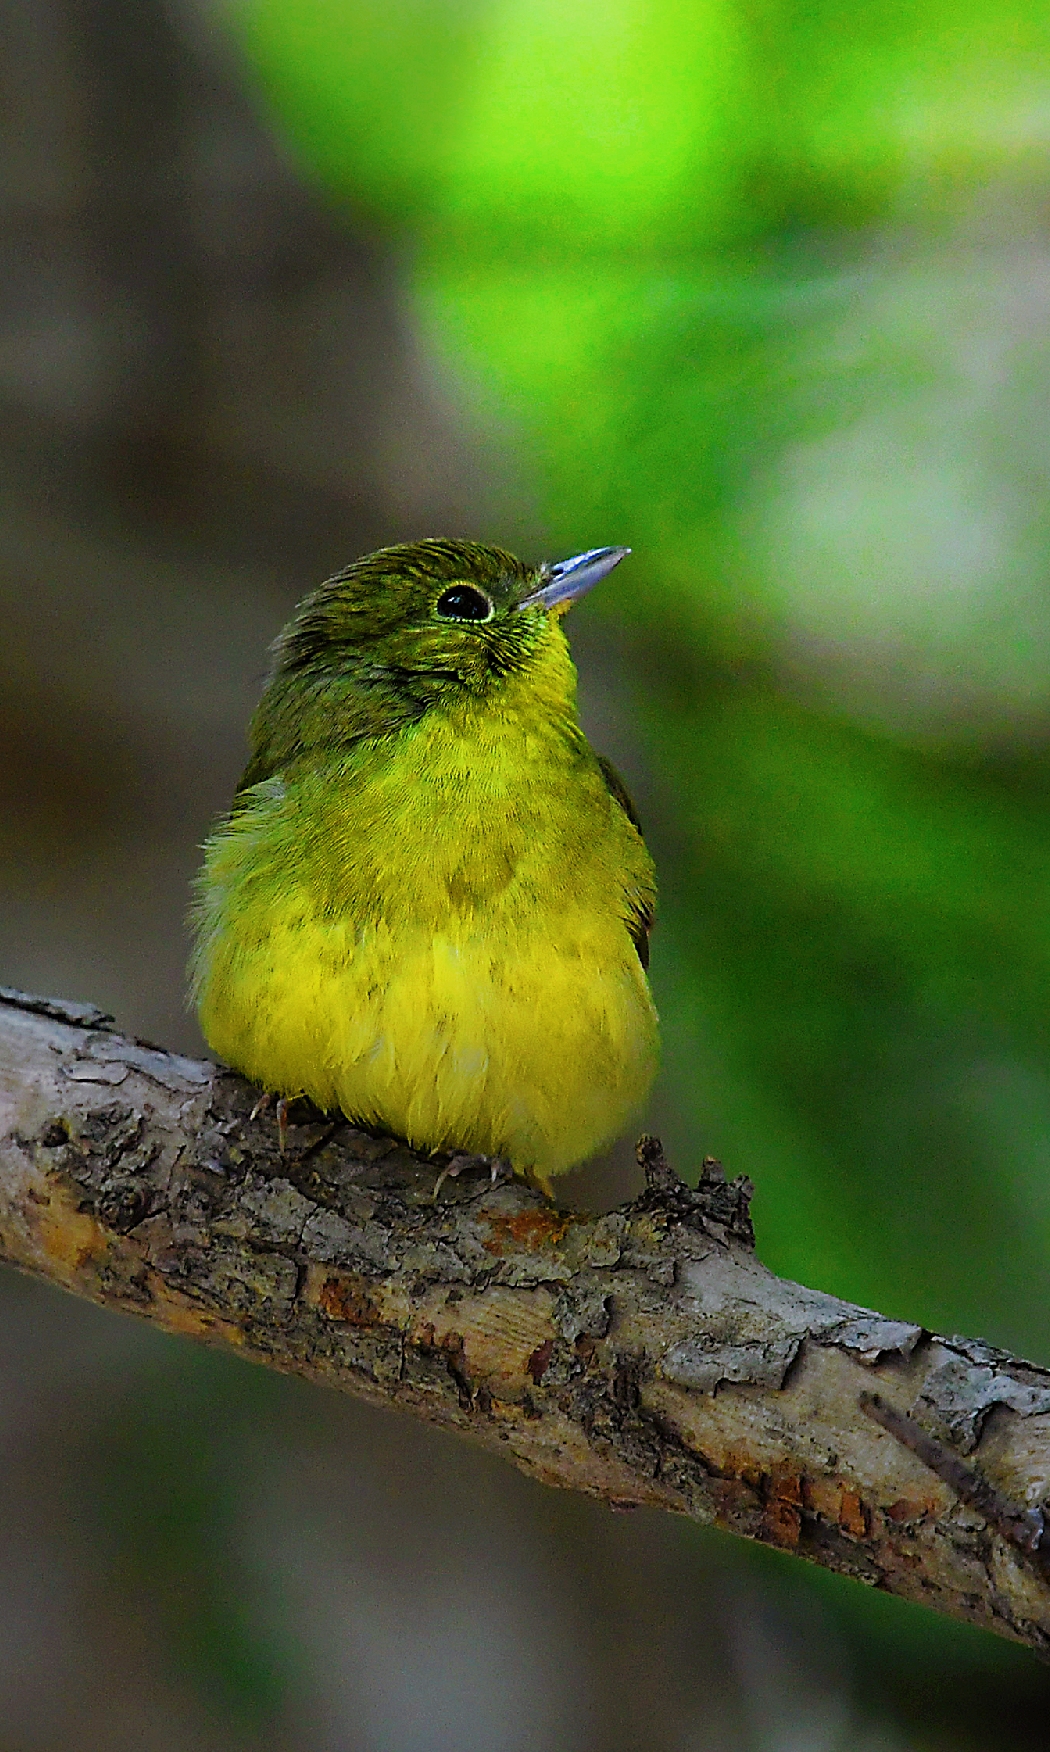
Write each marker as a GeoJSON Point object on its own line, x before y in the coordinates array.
{"type": "Point", "coordinates": [539, 1051]}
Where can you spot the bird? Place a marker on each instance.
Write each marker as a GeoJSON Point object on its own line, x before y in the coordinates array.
{"type": "Point", "coordinates": [428, 908]}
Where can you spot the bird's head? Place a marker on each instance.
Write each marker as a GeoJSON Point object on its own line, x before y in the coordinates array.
{"type": "Point", "coordinates": [430, 623]}
{"type": "Point", "coordinates": [437, 616]}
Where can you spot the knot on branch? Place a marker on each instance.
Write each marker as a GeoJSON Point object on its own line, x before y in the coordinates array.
{"type": "Point", "coordinates": [719, 1206]}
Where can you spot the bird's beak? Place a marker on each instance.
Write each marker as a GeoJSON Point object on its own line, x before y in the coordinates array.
{"type": "Point", "coordinates": [566, 582]}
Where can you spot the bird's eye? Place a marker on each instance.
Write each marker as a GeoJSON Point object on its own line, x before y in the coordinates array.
{"type": "Point", "coordinates": [464, 603]}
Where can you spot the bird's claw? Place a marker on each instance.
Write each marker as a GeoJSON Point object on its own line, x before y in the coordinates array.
{"type": "Point", "coordinates": [499, 1169]}
{"type": "Point", "coordinates": [281, 1112]}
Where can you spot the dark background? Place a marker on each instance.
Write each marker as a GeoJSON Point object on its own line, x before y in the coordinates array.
{"type": "Point", "coordinates": [287, 282]}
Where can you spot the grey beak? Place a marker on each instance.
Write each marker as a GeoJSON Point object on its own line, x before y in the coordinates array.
{"type": "Point", "coordinates": [571, 579]}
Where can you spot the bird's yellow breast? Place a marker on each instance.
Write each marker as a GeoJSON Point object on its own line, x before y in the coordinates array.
{"type": "Point", "coordinates": [429, 933]}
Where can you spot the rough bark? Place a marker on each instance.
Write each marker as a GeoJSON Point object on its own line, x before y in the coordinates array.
{"type": "Point", "coordinates": [643, 1356]}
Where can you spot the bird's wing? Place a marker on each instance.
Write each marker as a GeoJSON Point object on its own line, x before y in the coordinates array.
{"type": "Point", "coordinates": [257, 770]}
{"type": "Point", "coordinates": [619, 790]}
{"type": "Point", "coordinates": [640, 922]}
{"type": "Point", "coordinates": [301, 716]}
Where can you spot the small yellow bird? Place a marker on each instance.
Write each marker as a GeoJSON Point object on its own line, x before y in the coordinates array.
{"type": "Point", "coordinates": [429, 907]}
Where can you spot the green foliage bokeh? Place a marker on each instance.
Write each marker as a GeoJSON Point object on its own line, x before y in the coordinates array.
{"type": "Point", "coordinates": [725, 271]}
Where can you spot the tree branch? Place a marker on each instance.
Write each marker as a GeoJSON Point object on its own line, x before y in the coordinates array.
{"type": "Point", "coordinates": [645, 1356]}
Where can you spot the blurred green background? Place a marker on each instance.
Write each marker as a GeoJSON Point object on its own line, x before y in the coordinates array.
{"type": "Point", "coordinates": [763, 291]}
{"type": "Point", "coordinates": [760, 289]}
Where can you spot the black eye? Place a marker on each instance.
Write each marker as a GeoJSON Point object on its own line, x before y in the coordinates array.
{"type": "Point", "coordinates": [463, 602]}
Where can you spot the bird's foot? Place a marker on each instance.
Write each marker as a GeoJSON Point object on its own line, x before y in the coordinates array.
{"type": "Point", "coordinates": [281, 1114]}
{"type": "Point", "coordinates": [499, 1169]}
